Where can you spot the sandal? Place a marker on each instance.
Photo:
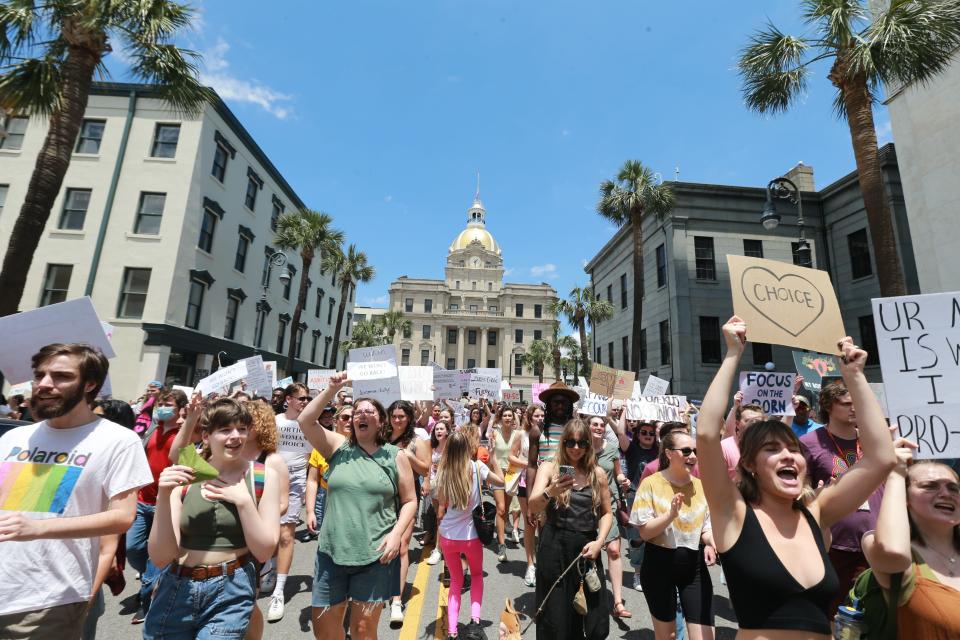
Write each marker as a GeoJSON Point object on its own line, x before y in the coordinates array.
{"type": "Point", "coordinates": [621, 611]}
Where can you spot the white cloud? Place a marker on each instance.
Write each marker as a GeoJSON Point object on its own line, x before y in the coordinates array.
{"type": "Point", "coordinates": [216, 73]}
{"type": "Point", "coordinates": [884, 132]}
{"type": "Point", "coordinates": [379, 301]}
{"type": "Point", "coordinates": [544, 271]}
{"type": "Point", "coordinates": [507, 272]}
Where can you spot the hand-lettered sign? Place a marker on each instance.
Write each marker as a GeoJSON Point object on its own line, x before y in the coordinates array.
{"type": "Point", "coordinates": [785, 304]}
{"type": "Point", "coordinates": [772, 391]}
{"type": "Point", "coordinates": [611, 383]}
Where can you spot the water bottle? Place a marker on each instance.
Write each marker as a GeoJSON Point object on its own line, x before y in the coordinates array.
{"type": "Point", "coordinates": [849, 623]}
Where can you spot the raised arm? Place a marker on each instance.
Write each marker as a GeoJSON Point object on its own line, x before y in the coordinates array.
{"type": "Point", "coordinates": [856, 485]}
{"type": "Point", "coordinates": [619, 425]}
{"type": "Point", "coordinates": [184, 437]}
{"type": "Point", "coordinates": [888, 549]}
{"type": "Point", "coordinates": [326, 442]}
{"type": "Point", "coordinates": [730, 424]}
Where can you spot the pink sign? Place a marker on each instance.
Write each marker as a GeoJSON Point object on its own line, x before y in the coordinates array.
{"type": "Point", "coordinates": [537, 387]}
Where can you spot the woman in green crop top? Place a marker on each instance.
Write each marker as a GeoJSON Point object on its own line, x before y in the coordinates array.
{"type": "Point", "coordinates": [370, 503]}
{"type": "Point", "coordinates": [206, 535]}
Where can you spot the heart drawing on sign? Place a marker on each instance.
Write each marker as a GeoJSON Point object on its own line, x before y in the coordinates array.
{"type": "Point", "coordinates": [791, 302]}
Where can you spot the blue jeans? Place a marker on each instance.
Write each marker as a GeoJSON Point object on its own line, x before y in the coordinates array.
{"type": "Point", "coordinates": [184, 609]}
{"type": "Point", "coordinates": [137, 551]}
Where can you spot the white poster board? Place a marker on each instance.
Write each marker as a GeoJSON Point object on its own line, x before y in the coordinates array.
{"type": "Point", "coordinates": [446, 384]}
{"type": "Point", "coordinates": [592, 404]}
{"type": "Point", "coordinates": [258, 378]}
{"type": "Point", "coordinates": [285, 382]}
{"type": "Point", "coordinates": [657, 408]}
{"type": "Point", "coordinates": [485, 383]}
{"type": "Point", "coordinates": [319, 379]}
{"type": "Point", "coordinates": [416, 383]}
{"type": "Point", "coordinates": [771, 390]}
{"type": "Point", "coordinates": [222, 378]}
{"type": "Point", "coordinates": [655, 386]}
{"type": "Point", "coordinates": [510, 395]}
{"type": "Point", "coordinates": [384, 353]}
{"type": "Point", "coordinates": [385, 390]}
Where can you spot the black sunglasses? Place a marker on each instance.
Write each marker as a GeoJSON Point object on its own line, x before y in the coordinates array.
{"type": "Point", "coordinates": [686, 450]}
{"type": "Point", "coordinates": [570, 443]}
{"type": "Point", "coordinates": [645, 432]}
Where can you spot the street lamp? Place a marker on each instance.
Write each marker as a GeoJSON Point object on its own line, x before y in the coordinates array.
{"type": "Point", "coordinates": [785, 189]}
{"type": "Point", "coordinates": [275, 259]}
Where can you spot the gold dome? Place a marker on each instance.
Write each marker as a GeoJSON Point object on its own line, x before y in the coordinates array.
{"type": "Point", "coordinates": [475, 234]}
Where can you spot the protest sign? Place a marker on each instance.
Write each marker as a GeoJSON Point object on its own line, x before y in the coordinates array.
{"type": "Point", "coordinates": [461, 415]}
{"type": "Point", "coordinates": [656, 386]}
{"type": "Point", "coordinates": [919, 342]}
{"type": "Point", "coordinates": [593, 404]}
{"type": "Point", "coordinates": [582, 382]}
{"type": "Point", "coordinates": [785, 304]}
{"type": "Point", "coordinates": [446, 384]}
{"type": "Point", "coordinates": [536, 388]}
{"type": "Point", "coordinates": [285, 382]}
{"type": "Point", "coordinates": [107, 330]}
{"type": "Point", "coordinates": [222, 378]}
{"type": "Point", "coordinates": [371, 370]}
{"type": "Point", "coordinates": [602, 380]}
{"type": "Point", "coordinates": [290, 438]}
{"type": "Point", "coordinates": [814, 367]}
{"type": "Point", "coordinates": [881, 392]}
{"type": "Point", "coordinates": [23, 334]}
{"type": "Point", "coordinates": [319, 379]}
{"type": "Point", "coordinates": [465, 379]}
{"type": "Point", "coordinates": [657, 408]}
{"type": "Point", "coordinates": [510, 395]}
{"type": "Point", "coordinates": [384, 390]}
{"type": "Point", "coordinates": [257, 379]}
{"type": "Point", "coordinates": [772, 391]}
{"type": "Point", "coordinates": [383, 353]}
{"type": "Point", "coordinates": [416, 383]}
{"type": "Point", "coordinates": [485, 383]}
{"type": "Point", "coordinates": [21, 389]}
{"type": "Point", "coordinates": [186, 390]}
{"type": "Point", "coordinates": [623, 384]}
{"type": "Point", "coordinates": [271, 367]}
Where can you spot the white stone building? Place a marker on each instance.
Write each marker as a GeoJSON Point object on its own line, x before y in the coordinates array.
{"type": "Point", "coordinates": [166, 222]}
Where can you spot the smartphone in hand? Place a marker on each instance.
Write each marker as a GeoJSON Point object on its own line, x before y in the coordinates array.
{"type": "Point", "coordinates": [566, 470]}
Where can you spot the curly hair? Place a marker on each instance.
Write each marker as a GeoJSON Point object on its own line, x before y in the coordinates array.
{"type": "Point", "coordinates": [264, 425]}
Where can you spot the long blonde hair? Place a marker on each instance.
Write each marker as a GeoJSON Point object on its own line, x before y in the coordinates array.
{"type": "Point", "coordinates": [455, 472]}
{"type": "Point", "coordinates": [577, 429]}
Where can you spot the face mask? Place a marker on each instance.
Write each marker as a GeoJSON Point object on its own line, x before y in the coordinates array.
{"type": "Point", "coordinates": [163, 413]}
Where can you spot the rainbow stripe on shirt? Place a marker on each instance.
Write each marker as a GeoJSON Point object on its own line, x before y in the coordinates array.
{"type": "Point", "coordinates": [38, 481]}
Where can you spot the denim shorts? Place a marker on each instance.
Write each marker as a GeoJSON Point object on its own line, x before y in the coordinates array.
{"type": "Point", "coordinates": [334, 583]}
{"type": "Point", "coordinates": [220, 607]}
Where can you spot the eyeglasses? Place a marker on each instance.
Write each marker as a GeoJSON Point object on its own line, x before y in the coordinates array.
{"type": "Point", "coordinates": [686, 451]}
{"type": "Point", "coordinates": [366, 412]}
{"type": "Point", "coordinates": [645, 432]}
{"type": "Point", "coordinates": [570, 443]}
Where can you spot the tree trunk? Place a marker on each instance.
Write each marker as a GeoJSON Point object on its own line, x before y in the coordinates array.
{"type": "Point", "coordinates": [576, 371]}
{"type": "Point", "coordinates": [584, 347]}
{"type": "Point", "coordinates": [48, 173]}
{"type": "Point", "coordinates": [859, 105]}
{"type": "Point", "coordinates": [636, 231]}
{"type": "Point", "coordinates": [556, 363]}
{"type": "Point", "coordinates": [307, 258]}
{"type": "Point", "coordinates": [344, 290]}
{"type": "Point", "coordinates": [540, 374]}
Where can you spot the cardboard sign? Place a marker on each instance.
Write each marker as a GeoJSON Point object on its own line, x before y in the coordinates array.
{"type": "Point", "coordinates": [592, 404]}
{"type": "Point", "coordinates": [785, 304]}
{"type": "Point", "coordinates": [611, 383]}
{"type": "Point", "coordinates": [536, 388]}
{"type": "Point", "coordinates": [919, 342]}
{"type": "Point", "coordinates": [656, 386]}
{"type": "Point", "coordinates": [416, 383]}
{"type": "Point", "coordinates": [772, 391]}
{"type": "Point", "coordinates": [510, 395]}
{"type": "Point", "coordinates": [446, 385]}
{"type": "Point", "coordinates": [814, 367]}
{"type": "Point", "coordinates": [485, 383]}
{"type": "Point", "coordinates": [23, 334]}
{"type": "Point", "coordinates": [319, 379]}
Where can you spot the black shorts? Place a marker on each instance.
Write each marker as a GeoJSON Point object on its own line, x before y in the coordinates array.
{"type": "Point", "coordinates": [521, 491]}
{"type": "Point", "coordinates": [665, 572]}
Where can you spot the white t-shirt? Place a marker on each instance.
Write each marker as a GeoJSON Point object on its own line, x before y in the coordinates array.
{"type": "Point", "coordinates": [293, 448]}
{"type": "Point", "coordinates": [457, 524]}
{"type": "Point", "coordinates": [61, 473]}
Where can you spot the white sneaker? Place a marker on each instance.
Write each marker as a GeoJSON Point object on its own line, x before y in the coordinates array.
{"type": "Point", "coordinates": [396, 612]}
{"type": "Point", "coordinates": [275, 612]}
{"type": "Point", "coordinates": [434, 557]}
{"type": "Point", "coordinates": [636, 582]}
{"type": "Point", "coordinates": [516, 536]}
{"type": "Point", "coordinates": [530, 579]}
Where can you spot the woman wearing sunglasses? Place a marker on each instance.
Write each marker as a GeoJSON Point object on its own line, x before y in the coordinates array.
{"type": "Point", "coordinates": [670, 511]}
{"type": "Point", "coordinates": [578, 512]}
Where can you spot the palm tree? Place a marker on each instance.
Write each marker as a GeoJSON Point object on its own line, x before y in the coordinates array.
{"type": "Point", "coordinates": [906, 42]}
{"type": "Point", "coordinates": [581, 308]}
{"type": "Point", "coordinates": [49, 54]}
{"type": "Point", "coordinates": [557, 344]}
{"type": "Point", "coordinates": [393, 322]}
{"type": "Point", "coordinates": [352, 268]}
{"type": "Point", "coordinates": [629, 200]}
{"type": "Point", "coordinates": [305, 231]}
{"type": "Point", "coordinates": [536, 356]}
{"type": "Point", "coordinates": [365, 333]}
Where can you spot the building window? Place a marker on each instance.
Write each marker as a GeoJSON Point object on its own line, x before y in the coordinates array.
{"type": "Point", "coordinates": [299, 341]}
{"type": "Point", "coordinates": [349, 323]}
{"type": "Point", "coordinates": [319, 304]}
{"type": "Point", "coordinates": [703, 253]}
{"type": "Point", "coordinates": [424, 357]}
{"type": "Point", "coordinates": [220, 158]}
{"type": "Point", "coordinates": [492, 308]}
{"type": "Point", "coordinates": [794, 249]}
{"type": "Point", "coordinates": [276, 212]}
{"type": "Point", "coordinates": [250, 197]}
{"type": "Point", "coordinates": [286, 288]}
{"type": "Point", "coordinates": [451, 363]}
{"type": "Point", "coordinates": [518, 335]}
{"type": "Point", "coordinates": [472, 336]}
{"type": "Point", "coordinates": [16, 129]}
{"type": "Point", "coordinates": [709, 339]}
{"type": "Point", "coordinates": [753, 248]}
{"type": "Point", "coordinates": [207, 227]}
{"type": "Point", "coordinates": [456, 285]}
{"type": "Point", "coordinates": [4, 188]}
{"type": "Point", "coordinates": [133, 294]}
{"type": "Point", "coordinates": [408, 305]}
{"type": "Point", "coordinates": [762, 353]}
{"type": "Point", "coordinates": [538, 311]}
{"type": "Point", "coordinates": [330, 311]}
{"type": "Point", "coordinates": [195, 304]}
{"type": "Point", "coordinates": [868, 335]}
{"type": "Point", "coordinates": [598, 355]}
{"type": "Point", "coordinates": [859, 246]}
{"type": "Point", "coordinates": [519, 310]}
{"type": "Point", "coordinates": [474, 307]}
{"type": "Point", "coordinates": [625, 352]}
{"type": "Point", "coordinates": [406, 332]}
{"type": "Point", "coordinates": [537, 334]}
{"type": "Point", "coordinates": [243, 247]}
{"type": "Point", "coordinates": [451, 336]}
{"type": "Point", "coordinates": [426, 332]}
{"type": "Point", "coordinates": [643, 348]}
{"type": "Point", "coordinates": [665, 342]}
{"type": "Point", "coordinates": [474, 285]}
{"type": "Point", "coordinates": [623, 291]}
{"type": "Point", "coordinates": [610, 293]}
{"type": "Point", "coordinates": [491, 364]}
{"type": "Point", "coordinates": [91, 134]}
{"type": "Point", "coordinates": [281, 333]}
{"type": "Point", "coordinates": [75, 206]}
{"type": "Point", "coordinates": [405, 357]}
{"type": "Point", "coordinates": [149, 213]}
{"type": "Point", "coordinates": [56, 284]}
{"type": "Point", "coordinates": [165, 139]}
{"type": "Point", "coordinates": [661, 265]}
{"type": "Point", "coordinates": [471, 363]}
{"type": "Point", "coordinates": [610, 352]}
{"type": "Point", "coordinates": [428, 306]}
{"type": "Point", "coordinates": [518, 364]}
{"type": "Point", "coordinates": [492, 338]}
{"type": "Point", "coordinates": [230, 325]}
{"type": "Point", "coordinates": [489, 286]}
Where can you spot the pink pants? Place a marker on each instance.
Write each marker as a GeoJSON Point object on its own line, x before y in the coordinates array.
{"type": "Point", "coordinates": [473, 550]}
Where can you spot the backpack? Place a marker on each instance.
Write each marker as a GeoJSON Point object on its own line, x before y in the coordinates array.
{"type": "Point", "coordinates": [879, 612]}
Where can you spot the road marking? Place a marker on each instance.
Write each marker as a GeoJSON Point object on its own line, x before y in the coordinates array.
{"type": "Point", "coordinates": [440, 630]}
{"type": "Point", "coordinates": [411, 620]}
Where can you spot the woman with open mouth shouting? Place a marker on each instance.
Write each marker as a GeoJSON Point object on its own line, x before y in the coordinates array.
{"type": "Point", "coordinates": [370, 503]}
{"type": "Point", "coordinates": [767, 528]}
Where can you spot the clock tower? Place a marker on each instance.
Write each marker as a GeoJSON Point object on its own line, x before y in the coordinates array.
{"type": "Point", "coordinates": [474, 261]}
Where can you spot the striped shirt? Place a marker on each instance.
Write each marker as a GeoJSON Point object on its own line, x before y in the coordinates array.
{"type": "Point", "coordinates": [549, 442]}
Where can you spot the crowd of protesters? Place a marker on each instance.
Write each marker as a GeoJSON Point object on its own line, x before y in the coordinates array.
{"type": "Point", "coordinates": [197, 496]}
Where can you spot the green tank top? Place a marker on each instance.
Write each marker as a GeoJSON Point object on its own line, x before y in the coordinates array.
{"type": "Point", "coordinates": [205, 525]}
{"type": "Point", "coordinates": [361, 503]}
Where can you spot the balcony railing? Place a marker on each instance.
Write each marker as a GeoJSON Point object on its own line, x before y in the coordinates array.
{"type": "Point", "coordinates": [474, 312]}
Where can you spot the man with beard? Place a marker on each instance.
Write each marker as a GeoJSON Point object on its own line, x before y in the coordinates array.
{"type": "Point", "coordinates": [68, 480]}
{"type": "Point", "coordinates": [558, 400]}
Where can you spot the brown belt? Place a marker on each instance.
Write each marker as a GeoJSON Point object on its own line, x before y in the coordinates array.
{"type": "Point", "coordinates": [205, 572]}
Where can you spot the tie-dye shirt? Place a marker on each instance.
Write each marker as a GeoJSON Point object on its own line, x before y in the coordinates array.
{"type": "Point", "coordinates": [653, 499]}
{"type": "Point", "coordinates": [61, 473]}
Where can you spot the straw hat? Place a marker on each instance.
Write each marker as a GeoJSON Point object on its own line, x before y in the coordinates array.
{"type": "Point", "coordinates": [558, 388]}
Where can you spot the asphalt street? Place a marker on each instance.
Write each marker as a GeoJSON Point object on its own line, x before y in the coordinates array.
{"type": "Point", "coordinates": [426, 602]}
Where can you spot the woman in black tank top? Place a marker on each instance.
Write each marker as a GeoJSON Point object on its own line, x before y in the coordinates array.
{"type": "Point", "coordinates": [768, 529]}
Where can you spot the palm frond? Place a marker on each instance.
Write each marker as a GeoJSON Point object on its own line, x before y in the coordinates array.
{"type": "Point", "coordinates": [175, 70]}
{"type": "Point", "coordinates": [17, 30]}
{"type": "Point", "coordinates": [153, 20]}
{"type": "Point", "coordinates": [772, 70]}
{"type": "Point", "coordinates": [31, 87]}
{"type": "Point", "coordinates": [840, 20]}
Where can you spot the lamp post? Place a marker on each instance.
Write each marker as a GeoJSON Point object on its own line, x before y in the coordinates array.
{"type": "Point", "coordinates": [275, 259]}
{"type": "Point", "coordinates": [785, 189]}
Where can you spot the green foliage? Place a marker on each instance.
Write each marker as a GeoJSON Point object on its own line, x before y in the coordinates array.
{"type": "Point", "coordinates": [635, 193]}
{"type": "Point", "coordinates": [307, 231]}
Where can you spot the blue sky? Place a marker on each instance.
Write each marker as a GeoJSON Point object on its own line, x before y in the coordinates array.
{"type": "Point", "coordinates": [381, 113]}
